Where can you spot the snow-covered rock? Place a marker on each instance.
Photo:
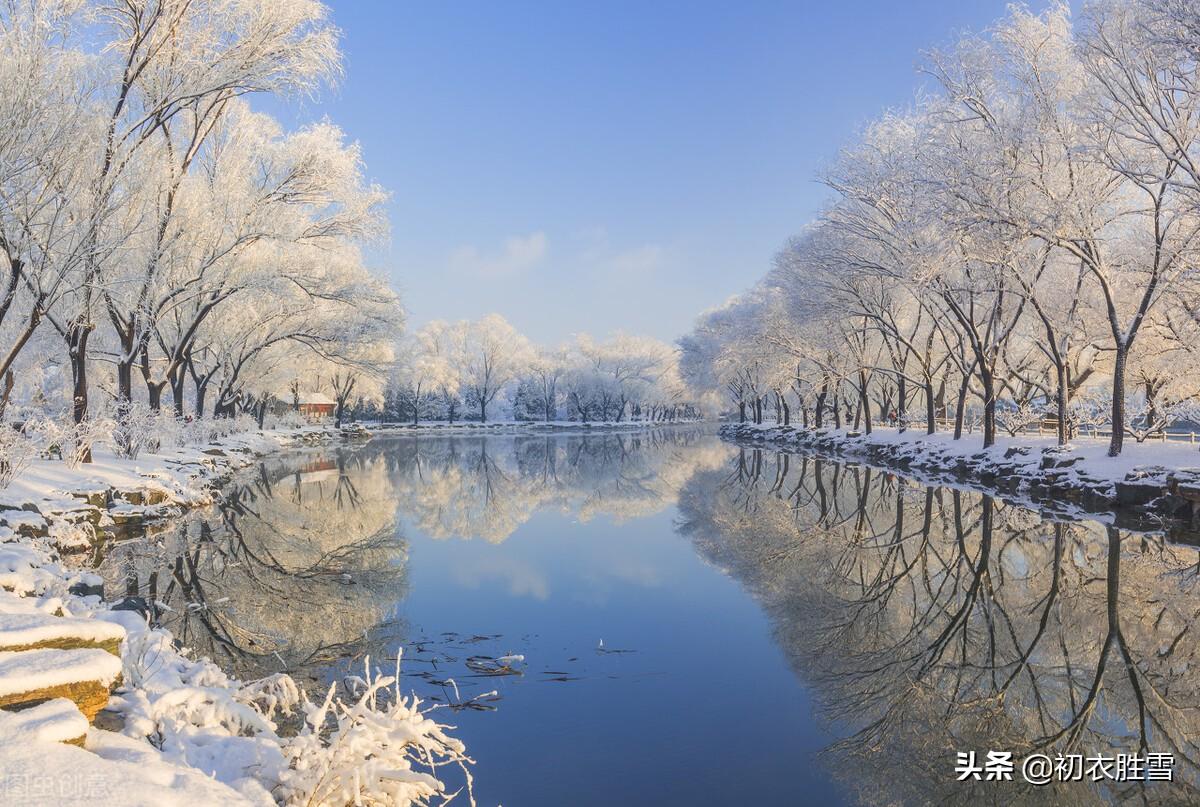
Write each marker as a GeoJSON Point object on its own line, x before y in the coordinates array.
{"type": "Point", "coordinates": [1148, 480]}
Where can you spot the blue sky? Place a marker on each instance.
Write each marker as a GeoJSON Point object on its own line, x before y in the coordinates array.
{"type": "Point", "coordinates": [601, 166]}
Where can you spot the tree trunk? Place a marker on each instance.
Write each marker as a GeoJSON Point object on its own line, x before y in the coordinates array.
{"type": "Point", "coordinates": [741, 411]}
{"type": "Point", "coordinates": [989, 407]}
{"type": "Point", "coordinates": [9, 382]}
{"type": "Point", "coordinates": [1151, 424]}
{"type": "Point", "coordinates": [1118, 400]}
{"type": "Point", "coordinates": [864, 401]}
{"type": "Point", "coordinates": [901, 402]}
{"type": "Point", "coordinates": [77, 341]}
{"type": "Point", "coordinates": [959, 414]}
{"type": "Point", "coordinates": [154, 393]}
{"type": "Point", "coordinates": [1061, 402]}
{"type": "Point", "coordinates": [124, 377]}
{"type": "Point", "coordinates": [201, 391]}
{"type": "Point", "coordinates": [177, 380]}
{"type": "Point", "coordinates": [930, 408]}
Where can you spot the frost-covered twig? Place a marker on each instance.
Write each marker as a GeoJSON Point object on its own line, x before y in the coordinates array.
{"type": "Point", "coordinates": [380, 749]}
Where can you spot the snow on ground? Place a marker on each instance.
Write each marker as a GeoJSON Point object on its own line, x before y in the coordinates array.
{"type": "Point", "coordinates": [176, 477]}
{"type": "Point", "coordinates": [1094, 461]}
{"type": "Point", "coordinates": [111, 771]}
{"type": "Point", "coordinates": [1080, 471]}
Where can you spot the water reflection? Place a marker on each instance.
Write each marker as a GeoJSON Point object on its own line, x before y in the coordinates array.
{"type": "Point", "coordinates": [931, 621]}
{"type": "Point", "coordinates": [297, 565]}
{"type": "Point", "coordinates": [303, 561]}
{"type": "Point", "coordinates": [488, 486]}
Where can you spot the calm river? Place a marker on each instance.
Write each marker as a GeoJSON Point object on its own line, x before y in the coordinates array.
{"type": "Point", "coordinates": [700, 624]}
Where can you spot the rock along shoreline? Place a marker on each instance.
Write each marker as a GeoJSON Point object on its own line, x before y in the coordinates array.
{"type": "Point", "coordinates": [1152, 488]}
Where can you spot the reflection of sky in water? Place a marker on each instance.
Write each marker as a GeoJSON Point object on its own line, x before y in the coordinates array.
{"type": "Point", "coordinates": [704, 711]}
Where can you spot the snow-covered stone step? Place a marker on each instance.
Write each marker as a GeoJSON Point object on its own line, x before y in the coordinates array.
{"type": "Point", "coordinates": [55, 721]}
{"type": "Point", "coordinates": [32, 631]}
{"type": "Point", "coordinates": [23, 522]}
{"type": "Point", "coordinates": [20, 569]}
{"type": "Point", "coordinates": [109, 771]}
{"type": "Point", "coordinates": [83, 675]}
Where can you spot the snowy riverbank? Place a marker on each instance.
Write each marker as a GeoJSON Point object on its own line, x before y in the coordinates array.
{"type": "Point", "coordinates": [523, 426]}
{"type": "Point", "coordinates": [1148, 483]}
{"type": "Point", "coordinates": [169, 727]}
{"type": "Point", "coordinates": [73, 504]}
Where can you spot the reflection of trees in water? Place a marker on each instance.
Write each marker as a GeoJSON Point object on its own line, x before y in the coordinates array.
{"type": "Point", "coordinates": [487, 486]}
{"type": "Point", "coordinates": [932, 621]}
{"type": "Point", "coordinates": [299, 564]}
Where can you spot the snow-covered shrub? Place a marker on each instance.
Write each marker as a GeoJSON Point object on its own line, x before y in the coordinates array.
{"type": "Point", "coordinates": [201, 431]}
{"type": "Point", "coordinates": [1015, 419]}
{"type": "Point", "coordinates": [209, 430]}
{"type": "Point", "coordinates": [191, 432]}
{"type": "Point", "coordinates": [135, 427]}
{"type": "Point", "coordinates": [17, 449]}
{"type": "Point", "coordinates": [243, 423]}
{"type": "Point", "coordinates": [1087, 413]}
{"type": "Point", "coordinates": [275, 694]}
{"type": "Point", "coordinates": [140, 428]}
{"type": "Point", "coordinates": [168, 432]}
{"type": "Point", "coordinates": [71, 442]}
{"type": "Point", "coordinates": [380, 749]}
{"type": "Point", "coordinates": [374, 748]}
{"type": "Point", "coordinates": [1143, 420]}
{"type": "Point", "coordinates": [39, 386]}
{"type": "Point", "coordinates": [290, 419]}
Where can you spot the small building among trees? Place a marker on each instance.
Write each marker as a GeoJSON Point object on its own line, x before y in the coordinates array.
{"type": "Point", "coordinates": [315, 405]}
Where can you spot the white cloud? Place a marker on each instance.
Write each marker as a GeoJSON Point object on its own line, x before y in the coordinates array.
{"type": "Point", "coordinates": [518, 254]}
{"type": "Point", "coordinates": [637, 262]}
{"type": "Point", "coordinates": [606, 260]}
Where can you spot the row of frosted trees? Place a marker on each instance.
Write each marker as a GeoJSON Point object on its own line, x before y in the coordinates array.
{"type": "Point", "coordinates": [1019, 246]}
{"type": "Point", "coordinates": [455, 370]}
{"type": "Point", "coordinates": [162, 244]}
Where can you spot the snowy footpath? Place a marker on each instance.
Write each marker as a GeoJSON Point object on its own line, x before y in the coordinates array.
{"type": "Point", "coordinates": [99, 708]}
{"type": "Point", "coordinates": [1148, 484]}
